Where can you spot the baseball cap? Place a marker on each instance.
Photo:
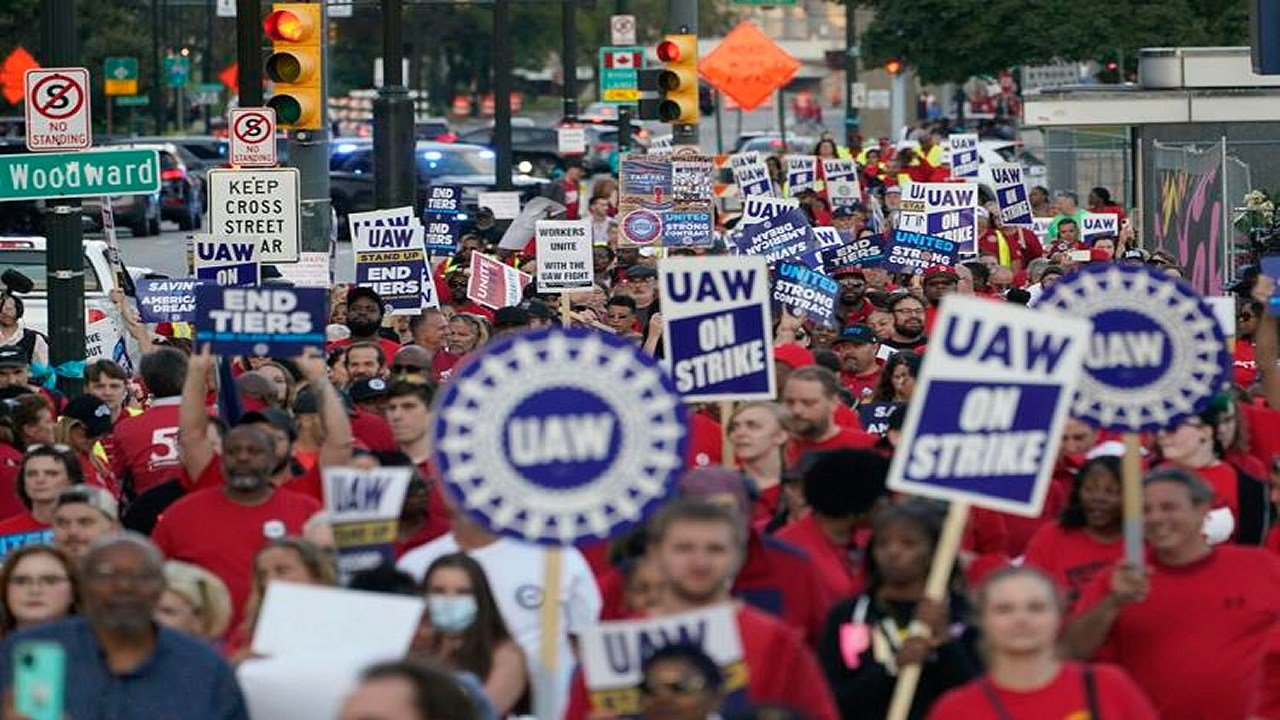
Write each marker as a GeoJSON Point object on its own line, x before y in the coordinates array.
{"type": "Point", "coordinates": [893, 189]}
{"type": "Point", "coordinates": [857, 333]}
{"type": "Point", "coordinates": [306, 403]}
{"type": "Point", "coordinates": [636, 272]}
{"type": "Point", "coordinates": [360, 291]}
{"type": "Point", "coordinates": [793, 354]}
{"type": "Point", "coordinates": [538, 309]}
{"type": "Point", "coordinates": [273, 416]}
{"type": "Point", "coordinates": [938, 271]}
{"type": "Point", "coordinates": [510, 317]}
{"type": "Point", "coordinates": [1134, 254]}
{"type": "Point", "coordinates": [367, 389]}
{"type": "Point", "coordinates": [92, 412]}
{"type": "Point", "coordinates": [11, 356]}
{"type": "Point", "coordinates": [845, 211]}
{"type": "Point", "coordinates": [95, 497]}
{"type": "Point", "coordinates": [848, 271]}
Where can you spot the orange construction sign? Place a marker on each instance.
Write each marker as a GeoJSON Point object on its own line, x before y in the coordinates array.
{"type": "Point", "coordinates": [747, 66]}
{"type": "Point", "coordinates": [12, 71]}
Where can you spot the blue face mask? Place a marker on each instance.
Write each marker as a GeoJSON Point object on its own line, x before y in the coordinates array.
{"type": "Point", "coordinates": [451, 613]}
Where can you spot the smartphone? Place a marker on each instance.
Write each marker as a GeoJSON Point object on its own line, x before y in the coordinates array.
{"type": "Point", "coordinates": [1080, 255]}
{"type": "Point", "coordinates": [39, 679]}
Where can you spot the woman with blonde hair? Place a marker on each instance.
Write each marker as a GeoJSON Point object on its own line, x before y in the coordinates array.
{"type": "Point", "coordinates": [759, 434]}
{"type": "Point", "coordinates": [195, 601]}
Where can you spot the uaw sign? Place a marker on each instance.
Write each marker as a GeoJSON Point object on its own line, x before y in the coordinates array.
{"type": "Point", "coordinates": [985, 422]}
{"type": "Point", "coordinates": [555, 436]}
{"type": "Point", "coordinates": [365, 509]}
{"type": "Point", "coordinates": [276, 321]}
{"type": "Point", "coordinates": [1157, 353]}
{"type": "Point", "coordinates": [718, 334]}
{"type": "Point", "coordinates": [942, 210]}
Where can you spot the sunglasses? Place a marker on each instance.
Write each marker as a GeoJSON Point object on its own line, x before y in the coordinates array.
{"type": "Point", "coordinates": [683, 686]}
{"type": "Point", "coordinates": [406, 368]}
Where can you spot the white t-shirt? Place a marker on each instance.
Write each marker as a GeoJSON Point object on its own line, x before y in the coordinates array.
{"type": "Point", "coordinates": [515, 571]}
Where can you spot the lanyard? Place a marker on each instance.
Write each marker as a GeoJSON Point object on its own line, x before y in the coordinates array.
{"type": "Point", "coordinates": [1090, 696]}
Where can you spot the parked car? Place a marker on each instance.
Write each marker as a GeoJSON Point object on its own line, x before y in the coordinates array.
{"type": "Point", "coordinates": [435, 129]}
{"type": "Point", "coordinates": [771, 143]}
{"type": "Point", "coordinates": [182, 182]}
{"type": "Point", "coordinates": [537, 146]}
{"type": "Point", "coordinates": [351, 175]}
{"type": "Point", "coordinates": [139, 213]}
{"type": "Point", "coordinates": [602, 146]}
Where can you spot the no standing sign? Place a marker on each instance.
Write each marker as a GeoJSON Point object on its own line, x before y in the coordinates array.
{"type": "Point", "coordinates": [253, 137]}
{"type": "Point", "coordinates": [57, 109]}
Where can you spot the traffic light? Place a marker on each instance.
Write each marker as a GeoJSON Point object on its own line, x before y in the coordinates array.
{"type": "Point", "coordinates": [295, 65]}
{"type": "Point", "coordinates": [674, 85]}
{"type": "Point", "coordinates": [893, 67]}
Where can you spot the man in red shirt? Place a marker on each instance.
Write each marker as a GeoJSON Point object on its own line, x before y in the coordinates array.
{"type": "Point", "coordinates": [812, 395]}
{"type": "Point", "coordinates": [222, 528]}
{"type": "Point", "coordinates": [409, 414]}
{"type": "Point", "coordinates": [1194, 630]}
{"type": "Point", "coordinates": [853, 305]}
{"type": "Point", "coordinates": [144, 448]}
{"type": "Point", "coordinates": [364, 317]}
{"type": "Point", "coordinates": [858, 347]}
{"type": "Point", "coordinates": [698, 547]}
{"type": "Point", "coordinates": [841, 488]}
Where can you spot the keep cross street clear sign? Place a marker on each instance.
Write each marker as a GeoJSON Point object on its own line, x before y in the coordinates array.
{"type": "Point", "coordinates": [88, 173]}
{"type": "Point", "coordinates": [260, 203]}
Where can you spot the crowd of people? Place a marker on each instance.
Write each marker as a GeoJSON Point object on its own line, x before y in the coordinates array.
{"type": "Point", "coordinates": [143, 520]}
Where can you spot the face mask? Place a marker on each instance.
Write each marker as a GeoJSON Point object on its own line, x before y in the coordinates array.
{"type": "Point", "coordinates": [452, 613]}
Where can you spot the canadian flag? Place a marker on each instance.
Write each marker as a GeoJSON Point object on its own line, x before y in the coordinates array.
{"type": "Point", "coordinates": [622, 60]}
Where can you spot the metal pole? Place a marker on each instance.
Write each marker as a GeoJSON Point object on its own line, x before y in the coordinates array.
{"type": "Point", "coordinates": [309, 152]}
{"type": "Point", "coordinates": [683, 18]}
{"type": "Point", "coordinates": [394, 175]}
{"type": "Point", "coordinates": [898, 106]}
{"type": "Point", "coordinates": [782, 119]}
{"type": "Point", "coordinates": [1227, 271]}
{"type": "Point", "coordinates": [850, 70]}
{"type": "Point", "coordinates": [249, 52]}
{"type": "Point", "coordinates": [64, 255]}
{"type": "Point", "coordinates": [719, 123]}
{"type": "Point", "coordinates": [569, 59]}
{"type": "Point", "coordinates": [157, 103]}
{"type": "Point", "coordinates": [206, 68]}
{"type": "Point", "coordinates": [501, 47]}
{"type": "Point", "coordinates": [624, 129]}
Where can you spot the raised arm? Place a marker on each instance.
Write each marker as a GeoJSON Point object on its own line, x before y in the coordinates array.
{"type": "Point", "coordinates": [338, 439]}
{"type": "Point", "coordinates": [193, 418]}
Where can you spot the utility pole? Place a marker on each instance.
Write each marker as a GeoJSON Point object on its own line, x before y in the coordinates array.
{"type": "Point", "coordinates": [394, 171]}
{"type": "Point", "coordinates": [501, 138]}
{"type": "Point", "coordinates": [569, 61]}
{"type": "Point", "coordinates": [850, 72]}
{"type": "Point", "coordinates": [309, 152]}
{"type": "Point", "coordinates": [157, 95]}
{"type": "Point", "coordinates": [624, 111]}
{"type": "Point", "coordinates": [249, 52]}
{"type": "Point", "coordinates": [683, 18]}
{"type": "Point", "coordinates": [64, 251]}
{"type": "Point", "coordinates": [206, 65]}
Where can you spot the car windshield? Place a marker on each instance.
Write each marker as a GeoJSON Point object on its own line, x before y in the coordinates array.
{"type": "Point", "coordinates": [436, 162]}
{"type": "Point", "coordinates": [32, 264]}
{"type": "Point", "coordinates": [207, 151]}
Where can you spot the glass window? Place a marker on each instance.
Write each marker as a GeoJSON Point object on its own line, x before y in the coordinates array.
{"type": "Point", "coordinates": [32, 264]}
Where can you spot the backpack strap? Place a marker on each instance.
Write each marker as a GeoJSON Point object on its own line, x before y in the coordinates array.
{"type": "Point", "coordinates": [1091, 693]}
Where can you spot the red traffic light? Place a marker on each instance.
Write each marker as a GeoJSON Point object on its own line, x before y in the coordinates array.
{"type": "Point", "coordinates": [1112, 65]}
{"type": "Point", "coordinates": [283, 25]}
{"type": "Point", "coordinates": [893, 67]}
{"type": "Point", "coordinates": [668, 51]}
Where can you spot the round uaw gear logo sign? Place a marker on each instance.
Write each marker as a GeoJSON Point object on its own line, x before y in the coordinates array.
{"type": "Point", "coordinates": [559, 435]}
{"type": "Point", "coordinates": [1156, 353]}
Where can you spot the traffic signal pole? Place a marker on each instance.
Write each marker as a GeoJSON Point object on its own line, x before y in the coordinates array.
{"type": "Point", "coordinates": [309, 152]}
{"type": "Point", "coordinates": [624, 111]}
{"type": "Point", "coordinates": [248, 53]}
{"type": "Point", "coordinates": [394, 175]}
{"type": "Point", "coordinates": [569, 61]}
{"type": "Point", "coordinates": [683, 18]}
{"type": "Point", "coordinates": [64, 249]}
{"type": "Point", "coordinates": [850, 71]}
{"type": "Point", "coordinates": [501, 48]}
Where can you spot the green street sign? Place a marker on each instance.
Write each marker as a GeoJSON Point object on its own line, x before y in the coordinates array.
{"type": "Point", "coordinates": [207, 93]}
{"type": "Point", "coordinates": [88, 173]}
{"type": "Point", "coordinates": [619, 84]}
{"type": "Point", "coordinates": [177, 71]}
{"type": "Point", "coordinates": [133, 101]}
{"type": "Point", "coordinates": [120, 68]}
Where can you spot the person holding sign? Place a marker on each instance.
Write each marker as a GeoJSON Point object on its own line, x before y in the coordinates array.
{"type": "Point", "coordinates": [1192, 628]}
{"type": "Point", "coordinates": [863, 644]}
{"type": "Point", "coordinates": [1020, 614]}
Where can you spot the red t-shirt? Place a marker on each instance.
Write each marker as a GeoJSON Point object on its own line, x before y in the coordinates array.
{"type": "Point", "coordinates": [22, 530]}
{"type": "Point", "coordinates": [144, 448]}
{"type": "Point", "coordinates": [781, 671]}
{"type": "Point", "coordinates": [1264, 431]}
{"type": "Point", "coordinates": [1244, 365]}
{"type": "Point", "coordinates": [1196, 643]}
{"type": "Point", "coordinates": [1021, 528]}
{"type": "Point", "coordinates": [706, 442]}
{"type": "Point", "coordinates": [210, 530]}
{"type": "Point", "coordinates": [1071, 557]}
{"type": "Point", "coordinates": [373, 431]}
{"type": "Point", "coordinates": [766, 506]}
{"type": "Point", "coordinates": [438, 522]}
{"type": "Point", "coordinates": [839, 572]}
{"type": "Point", "coordinates": [1064, 698]}
{"type": "Point", "coordinates": [863, 387]}
{"type": "Point", "coordinates": [10, 462]}
{"type": "Point", "coordinates": [780, 579]}
{"type": "Point", "coordinates": [846, 438]}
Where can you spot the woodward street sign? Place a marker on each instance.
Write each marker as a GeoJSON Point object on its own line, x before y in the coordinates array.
{"type": "Point", "coordinates": [87, 173]}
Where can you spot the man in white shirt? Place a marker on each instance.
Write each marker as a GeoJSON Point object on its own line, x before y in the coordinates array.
{"type": "Point", "coordinates": [516, 572]}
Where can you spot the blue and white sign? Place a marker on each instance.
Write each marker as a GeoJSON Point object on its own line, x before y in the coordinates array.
{"type": "Point", "coordinates": [718, 327]}
{"type": "Point", "coordinates": [943, 210]}
{"type": "Point", "coordinates": [392, 217]}
{"type": "Point", "coordinates": [913, 253]}
{"type": "Point", "coordinates": [167, 300]}
{"type": "Point", "coordinates": [875, 416]}
{"type": "Point", "coordinates": [829, 239]}
{"type": "Point", "coordinates": [985, 422]}
{"type": "Point", "coordinates": [442, 219]}
{"type": "Point", "coordinates": [806, 291]}
{"type": "Point", "coordinates": [867, 251]}
{"type": "Point", "coordinates": [364, 508]}
{"type": "Point", "coordinates": [444, 199]}
{"type": "Point", "coordinates": [756, 208]}
{"type": "Point", "coordinates": [751, 174]}
{"type": "Point", "coordinates": [228, 261]}
{"type": "Point", "coordinates": [802, 173]}
{"type": "Point", "coordinates": [783, 237]}
{"type": "Point", "coordinates": [1011, 195]}
{"type": "Point", "coordinates": [1157, 353]}
{"type": "Point", "coordinates": [556, 436]}
{"type": "Point", "coordinates": [840, 177]}
{"type": "Point", "coordinates": [964, 155]}
{"type": "Point", "coordinates": [275, 321]}
{"type": "Point", "coordinates": [391, 260]}
{"type": "Point", "coordinates": [1098, 225]}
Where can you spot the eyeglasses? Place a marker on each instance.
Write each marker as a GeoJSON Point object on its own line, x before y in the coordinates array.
{"type": "Point", "coordinates": [683, 686]}
{"type": "Point", "coordinates": [40, 581]}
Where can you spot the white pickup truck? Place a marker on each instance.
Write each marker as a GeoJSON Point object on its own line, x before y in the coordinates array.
{"type": "Point", "coordinates": [103, 328]}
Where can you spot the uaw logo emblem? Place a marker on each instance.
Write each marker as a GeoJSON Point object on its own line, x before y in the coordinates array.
{"type": "Point", "coordinates": [560, 435]}
{"type": "Point", "coordinates": [1156, 354]}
